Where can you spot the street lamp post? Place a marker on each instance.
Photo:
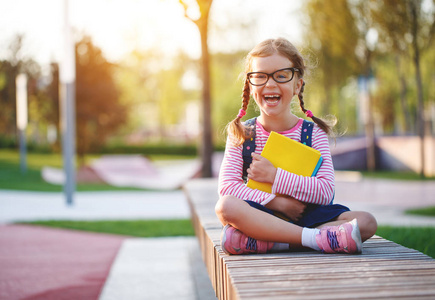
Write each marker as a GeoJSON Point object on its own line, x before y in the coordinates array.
{"type": "Point", "coordinates": [67, 98]}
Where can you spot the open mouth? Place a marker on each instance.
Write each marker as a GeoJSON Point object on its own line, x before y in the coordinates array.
{"type": "Point", "coordinates": [272, 99]}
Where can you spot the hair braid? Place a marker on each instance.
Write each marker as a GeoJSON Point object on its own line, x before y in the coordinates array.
{"type": "Point", "coordinates": [246, 95]}
{"type": "Point", "coordinates": [301, 97]}
{"type": "Point", "coordinates": [322, 124]}
{"type": "Point", "coordinates": [235, 127]}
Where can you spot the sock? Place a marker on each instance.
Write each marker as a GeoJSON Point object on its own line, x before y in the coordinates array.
{"type": "Point", "coordinates": [309, 238]}
{"type": "Point", "coordinates": [280, 247]}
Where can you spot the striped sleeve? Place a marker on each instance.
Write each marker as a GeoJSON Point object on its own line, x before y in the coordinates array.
{"type": "Point", "coordinates": [316, 190]}
{"type": "Point", "coordinates": [230, 177]}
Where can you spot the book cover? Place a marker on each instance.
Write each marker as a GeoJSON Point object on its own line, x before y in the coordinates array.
{"type": "Point", "coordinates": [290, 156]}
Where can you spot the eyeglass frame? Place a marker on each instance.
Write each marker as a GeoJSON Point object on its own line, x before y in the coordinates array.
{"type": "Point", "coordinates": [293, 69]}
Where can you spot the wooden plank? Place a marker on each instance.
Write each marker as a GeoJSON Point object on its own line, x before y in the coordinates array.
{"type": "Point", "coordinates": [384, 270]}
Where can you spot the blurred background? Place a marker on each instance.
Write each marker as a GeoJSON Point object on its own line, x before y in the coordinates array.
{"type": "Point", "coordinates": [142, 84]}
{"type": "Point", "coordinates": [155, 83]}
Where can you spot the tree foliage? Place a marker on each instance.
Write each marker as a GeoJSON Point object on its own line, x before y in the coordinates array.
{"type": "Point", "coordinates": [374, 39]}
{"type": "Point", "coordinates": [156, 96]}
{"type": "Point", "coordinates": [333, 35]}
{"type": "Point", "coordinates": [99, 112]}
{"type": "Point", "coordinates": [9, 69]}
{"type": "Point", "coordinates": [146, 93]}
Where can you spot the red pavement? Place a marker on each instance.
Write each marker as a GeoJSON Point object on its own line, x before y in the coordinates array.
{"type": "Point", "coordinates": [44, 263]}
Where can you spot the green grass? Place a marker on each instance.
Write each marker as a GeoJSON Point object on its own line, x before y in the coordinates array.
{"type": "Point", "coordinates": [136, 228]}
{"type": "Point", "coordinates": [426, 211]}
{"type": "Point", "coordinates": [418, 238]}
{"type": "Point", "coordinates": [12, 178]}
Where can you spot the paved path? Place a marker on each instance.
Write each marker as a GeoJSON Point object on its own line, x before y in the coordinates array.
{"type": "Point", "coordinates": [43, 263]}
{"type": "Point", "coordinates": [52, 264]}
{"type": "Point", "coordinates": [387, 200]}
{"type": "Point", "coordinates": [27, 206]}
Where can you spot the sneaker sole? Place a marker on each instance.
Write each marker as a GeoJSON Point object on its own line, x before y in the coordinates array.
{"type": "Point", "coordinates": [356, 235]}
{"type": "Point", "coordinates": [224, 238]}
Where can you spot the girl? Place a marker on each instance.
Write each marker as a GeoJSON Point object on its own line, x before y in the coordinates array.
{"type": "Point", "coordinates": [274, 73]}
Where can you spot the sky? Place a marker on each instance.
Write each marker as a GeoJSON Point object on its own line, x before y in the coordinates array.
{"type": "Point", "coordinates": [119, 26]}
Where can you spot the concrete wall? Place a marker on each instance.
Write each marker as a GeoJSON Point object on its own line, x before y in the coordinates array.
{"type": "Point", "coordinates": [392, 153]}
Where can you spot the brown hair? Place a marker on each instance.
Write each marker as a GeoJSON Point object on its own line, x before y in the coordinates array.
{"type": "Point", "coordinates": [266, 48]}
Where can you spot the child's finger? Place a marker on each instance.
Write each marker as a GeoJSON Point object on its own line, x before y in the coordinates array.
{"type": "Point", "coordinates": [256, 156]}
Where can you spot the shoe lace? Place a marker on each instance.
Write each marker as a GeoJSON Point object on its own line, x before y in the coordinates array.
{"type": "Point", "coordinates": [332, 238]}
{"type": "Point", "coordinates": [251, 244]}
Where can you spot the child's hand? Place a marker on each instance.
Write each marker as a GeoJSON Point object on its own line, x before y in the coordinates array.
{"type": "Point", "coordinates": [288, 206]}
{"type": "Point", "coordinates": [261, 169]}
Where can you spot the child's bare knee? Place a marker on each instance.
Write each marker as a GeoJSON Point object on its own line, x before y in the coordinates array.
{"type": "Point", "coordinates": [225, 209]}
{"type": "Point", "coordinates": [368, 225]}
{"type": "Point", "coordinates": [372, 224]}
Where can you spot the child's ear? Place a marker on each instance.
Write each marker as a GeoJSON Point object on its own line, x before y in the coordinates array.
{"type": "Point", "coordinates": [299, 84]}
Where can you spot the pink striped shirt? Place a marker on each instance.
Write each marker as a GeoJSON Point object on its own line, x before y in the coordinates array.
{"type": "Point", "coordinates": [317, 190]}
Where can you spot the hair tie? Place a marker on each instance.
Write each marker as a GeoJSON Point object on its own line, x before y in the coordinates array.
{"type": "Point", "coordinates": [242, 112]}
{"type": "Point", "coordinates": [309, 114]}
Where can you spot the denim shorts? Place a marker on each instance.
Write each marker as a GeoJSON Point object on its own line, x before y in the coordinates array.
{"type": "Point", "coordinates": [313, 216]}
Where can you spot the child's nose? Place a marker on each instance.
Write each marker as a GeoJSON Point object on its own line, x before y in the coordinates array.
{"type": "Point", "coordinates": [271, 82]}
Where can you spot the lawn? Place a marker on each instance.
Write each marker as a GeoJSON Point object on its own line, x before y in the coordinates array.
{"type": "Point", "coordinates": [419, 238]}
{"type": "Point", "coordinates": [426, 211]}
{"type": "Point", "coordinates": [12, 178]}
{"type": "Point", "coordinates": [136, 228]}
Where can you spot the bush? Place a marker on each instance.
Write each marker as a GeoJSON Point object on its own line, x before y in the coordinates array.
{"type": "Point", "coordinates": [7, 142]}
{"type": "Point", "coordinates": [153, 149]}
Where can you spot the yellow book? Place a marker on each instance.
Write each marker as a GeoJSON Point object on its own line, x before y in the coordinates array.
{"type": "Point", "coordinates": [290, 156]}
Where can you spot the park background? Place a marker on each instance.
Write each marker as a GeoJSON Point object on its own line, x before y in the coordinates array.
{"type": "Point", "coordinates": [140, 78]}
{"type": "Point", "coordinates": [140, 70]}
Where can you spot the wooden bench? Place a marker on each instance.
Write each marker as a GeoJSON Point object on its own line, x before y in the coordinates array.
{"type": "Point", "coordinates": [384, 269]}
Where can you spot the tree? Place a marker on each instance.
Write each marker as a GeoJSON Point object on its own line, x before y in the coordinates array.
{"type": "Point", "coordinates": [155, 96]}
{"type": "Point", "coordinates": [418, 24]}
{"type": "Point", "coordinates": [8, 73]}
{"type": "Point", "coordinates": [9, 69]}
{"type": "Point", "coordinates": [411, 29]}
{"type": "Point", "coordinates": [333, 35]}
{"type": "Point", "coordinates": [393, 30]}
{"type": "Point", "coordinates": [207, 142]}
{"type": "Point", "coordinates": [52, 113]}
{"type": "Point", "coordinates": [99, 111]}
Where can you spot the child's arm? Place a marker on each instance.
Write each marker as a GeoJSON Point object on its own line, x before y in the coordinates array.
{"type": "Point", "coordinates": [230, 177]}
{"type": "Point", "coordinates": [318, 189]}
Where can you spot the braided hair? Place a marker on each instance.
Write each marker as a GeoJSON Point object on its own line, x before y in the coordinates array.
{"type": "Point", "coordinates": [321, 123]}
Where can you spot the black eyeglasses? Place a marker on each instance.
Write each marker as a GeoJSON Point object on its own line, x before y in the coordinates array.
{"type": "Point", "coordinates": [280, 76]}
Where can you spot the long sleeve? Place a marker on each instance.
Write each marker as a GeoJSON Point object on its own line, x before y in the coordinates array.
{"type": "Point", "coordinates": [230, 177]}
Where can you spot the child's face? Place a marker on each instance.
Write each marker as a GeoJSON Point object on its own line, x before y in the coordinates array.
{"type": "Point", "coordinates": [274, 98]}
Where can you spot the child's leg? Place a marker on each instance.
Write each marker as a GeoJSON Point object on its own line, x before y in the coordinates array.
{"type": "Point", "coordinates": [366, 222]}
{"type": "Point", "coordinates": [248, 226]}
{"type": "Point", "coordinates": [255, 223]}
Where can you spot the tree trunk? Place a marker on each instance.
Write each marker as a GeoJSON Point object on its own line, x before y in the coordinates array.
{"type": "Point", "coordinates": [206, 148]}
{"type": "Point", "coordinates": [370, 127]}
{"type": "Point", "coordinates": [403, 90]}
{"type": "Point", "coordinates": [416, 59]}
{"type": "Point", "coordinates": [206, 143]}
